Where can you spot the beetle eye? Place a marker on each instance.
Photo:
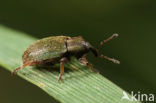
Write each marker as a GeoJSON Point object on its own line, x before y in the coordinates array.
{"type": "Point", "coordinates": [68, 38]}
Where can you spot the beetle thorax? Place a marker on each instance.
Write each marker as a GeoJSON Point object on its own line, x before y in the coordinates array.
{"type": "Point", "coordinates": [76, 45]}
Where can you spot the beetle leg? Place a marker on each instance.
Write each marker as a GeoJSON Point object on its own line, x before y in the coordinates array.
{"type": "Point", "coordinates": [84, 61]}
{"type": "Point", "coordinates": [23, 66]}
{"type": "Point", "coordinates": [62, 61]}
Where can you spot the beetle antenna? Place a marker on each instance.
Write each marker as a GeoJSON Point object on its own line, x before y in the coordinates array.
{"type": "Point", "coordinates": [110, 59]}
{"type": "Point", "coordinates": [108, 39]}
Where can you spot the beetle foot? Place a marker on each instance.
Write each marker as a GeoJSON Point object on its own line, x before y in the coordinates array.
{"type": "Point", "coordinates": [60, 79]}
{"type": "Point", "coordinates": [15, 71]}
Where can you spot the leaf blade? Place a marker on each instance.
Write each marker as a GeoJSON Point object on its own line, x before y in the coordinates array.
{"type": "Point", "coordinates": [80, 85]}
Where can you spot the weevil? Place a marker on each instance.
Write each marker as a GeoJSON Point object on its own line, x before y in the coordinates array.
{"type": "Point", "coordinates": [59, 49]}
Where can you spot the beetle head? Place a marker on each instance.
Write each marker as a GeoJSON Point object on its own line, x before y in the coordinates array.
{"type": "Point", "coordinates": [89, 47]}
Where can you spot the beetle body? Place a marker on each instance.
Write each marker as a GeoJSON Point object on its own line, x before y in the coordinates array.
{"type": "Point", "coordinates": [52, 49]}
{"type": "Point", "coordinates": [58, 49]}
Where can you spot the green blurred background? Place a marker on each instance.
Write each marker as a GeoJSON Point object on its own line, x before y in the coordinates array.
{"type": "Point", "coordinates": [95, 20]}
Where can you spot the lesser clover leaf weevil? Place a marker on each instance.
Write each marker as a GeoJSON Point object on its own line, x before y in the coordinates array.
{"type": "Point", "coordinates": [59, 49]}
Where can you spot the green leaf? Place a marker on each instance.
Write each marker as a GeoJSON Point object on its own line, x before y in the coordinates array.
{"type": "Point", "coordinates": [79, 85]}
